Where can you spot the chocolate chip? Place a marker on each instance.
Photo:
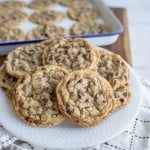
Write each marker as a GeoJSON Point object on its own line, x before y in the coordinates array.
{"type": "Point", "coordinates": [68, 109]}
{"type": "Point", "coordinates": [125, 94]}
{"type": "Point", "coordinates": [87, 100]}
{"type": "Point", "coordinates": [122, 63]}
{"type": "Point", "coordinates": [80, 81]}
{"type": "Point", "coordinates": [121, 100]}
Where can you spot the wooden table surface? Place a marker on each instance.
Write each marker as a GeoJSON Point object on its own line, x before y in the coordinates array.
{"type": "Point", "coordinates": [122, 46]}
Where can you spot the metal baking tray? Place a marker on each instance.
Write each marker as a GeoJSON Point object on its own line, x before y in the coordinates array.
{"type": "Point", "coordinates": [107, 17]}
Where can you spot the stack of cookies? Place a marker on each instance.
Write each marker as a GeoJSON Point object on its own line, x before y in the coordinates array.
{"type": "Point", "coordinates": [63, 79]}
{"type": "Point", "coordinates": [46, 21]}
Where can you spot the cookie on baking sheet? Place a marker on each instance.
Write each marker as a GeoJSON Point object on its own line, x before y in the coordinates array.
{"type": "Point", "coordinates": [46, 31]}
{"type": "Point", "coordinates": [14, 34]}
{"type": "Point", "coordinates": [11, 5]}
{"type": "Point", "coordinates": [83, 14]}
{"type": "Point", "coordinates": [7, 82]}
{"type": "Point", "coordinates": [113, 68]}
{"type": "Point", "coordinates": [88, 27]}
{"type": "Point", "coordinates": [74, 3]}
{"type": "Point", "coordinates": [47, 17]}
{"type": "Point", "coordinates": [35, 98]}
{"type": "Point", "coordinates": [72, 54]}
{"type": "Point", "coordinates": [122, 96]}
{"type": "Point", "coordinates": [85, 98]}
{"type": "Point", "coordinates": [42, 4]}
{"type": "Point", "coordinates": [24, 60]}
{"type": "Point", "coordinates": [12, 18]}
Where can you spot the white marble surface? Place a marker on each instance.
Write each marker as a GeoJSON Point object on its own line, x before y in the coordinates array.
{"type": "Point", "coordinates": [139, 30]}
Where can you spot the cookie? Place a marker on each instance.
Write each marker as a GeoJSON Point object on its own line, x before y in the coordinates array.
{"type": "Point", "coordinates": [85, 98]}
{"type": "Point", "coordinates": [71, 54]}
{"type": "Point", "coordinates": [122, 96]}
{"type": "Point", "coordinates": [7, 82]}
{"type": "Point", "coordinates": [12, 18]}
{"type": "Point", "coordinates": [11, 34]}
{"type": "Point", "coordinates": [11, 5]}
{"type": "Point", "coordinates": [113, 68]}
{"type": "Point", "coordinates": [88, 27]}
{"type": "Point", "coordinates": [46, 31]}
{"type": "Point", "coordinates": [35, 99]}
{"type": "Point", "coordinates": [74, 3]}
{"type": "Point", "coordinates": [47, 17]}
{"type": "Point", "coordinates": [24, 60]}
{"type": "Point", "coordinates": [83, 14]}
{"type": "Point", "coordinates": [42, 4]}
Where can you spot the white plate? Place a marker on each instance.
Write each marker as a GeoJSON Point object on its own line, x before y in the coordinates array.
{"type": "Point", "coordinates": [66, 135]}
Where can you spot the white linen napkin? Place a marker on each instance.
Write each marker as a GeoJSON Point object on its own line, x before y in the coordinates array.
{"type": "Point", "coordinates": [136, 137]}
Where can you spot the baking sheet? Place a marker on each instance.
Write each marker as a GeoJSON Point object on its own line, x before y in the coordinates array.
{"type": "Point", "coordinates": [66, 23]}
{"type": "Point", "coordinates": [102, 39]}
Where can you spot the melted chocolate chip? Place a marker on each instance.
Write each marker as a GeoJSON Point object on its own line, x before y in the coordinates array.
{"type": "Point", "coordinates": [121, 100]}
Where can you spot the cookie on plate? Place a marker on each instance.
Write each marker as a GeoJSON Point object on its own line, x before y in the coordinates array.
{"type": "Point", "coordinates": [42, 4]}
{"type": "Point", "coordinates": [46, 31]}
{"type": "Point", "coordinates": [122, 96]}
{"type": "Point", "coordinates": [47, 17]}
{"type": "Point", "coordinates": [72, 54]}
{"type": "Point", "coordinates": [113, 68]}
{"type": "Point", "coordinates": [7, 82]}
{"type": "Point", "coordinates": [24, 60]}
{"type": "Point", "coordinates": [12, 18]}
{"type": "Point", "coordinates": [35, 99]}
{"type": "Point", "coordinates": [88, 27]}
{"type": "Point", "coordinates": [85, 98]}
{"type": "Point", "coordinates": [74, 3]}
{"type": "Point", "coordinates": [11, 5]}
{"type": "Point", "coordinates": [83, 14]}
{"type": "Point", "coordinates": [14, 34]}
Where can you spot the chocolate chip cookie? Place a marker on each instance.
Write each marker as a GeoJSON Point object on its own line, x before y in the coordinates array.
{"type": "Point", "coordinates": [72, 54]}
{"type": "Point", "coordinates": [74, 3]}
{"type": "Point", "coordinates": [12, 18]}
{"type": "Point", "coordinates": [88, 27]}
{"type": "Point", "coordinates": [46, 31]}
{"type": "Point", "coordinates": [35, 98]}
{"type": "Point", "coordinates": [47, 17]}
{"type": "Point", "coordinates": [83, 14]}
{"type": "Point", "coordinates": [42, 4]}
{"type": "Point", "coordinates": [85, 98]}
{"type": "Point", "coordinates": [14, 34]}
{"type": "Point", "coordinates": [7, 82]}
{"type": "Point", "coordinates": [122, 96]}
{"type": "Point", "coordinates": [113, 68]}
{"type": "Point", "coordinates": [24, 60]}
{"type": "Point", "coordinates": [8, 5]}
